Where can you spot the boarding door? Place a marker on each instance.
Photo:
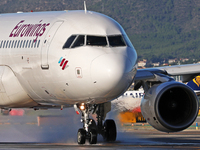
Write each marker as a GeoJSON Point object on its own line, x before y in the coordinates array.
{"type": "Point", "coordinates": [2, 90]}
{"type": "Point", "coordinates": [46, 44]}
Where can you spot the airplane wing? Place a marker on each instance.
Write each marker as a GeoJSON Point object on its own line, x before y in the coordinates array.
{"type": "Point", "coordinates": [188, 72]}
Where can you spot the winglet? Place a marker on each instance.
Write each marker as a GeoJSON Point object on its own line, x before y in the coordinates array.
{"type": "Point", "coordinates": [85, 7]}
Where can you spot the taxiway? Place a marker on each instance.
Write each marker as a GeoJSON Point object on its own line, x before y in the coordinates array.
{"type": "Point", "coordinates": [59, 133]}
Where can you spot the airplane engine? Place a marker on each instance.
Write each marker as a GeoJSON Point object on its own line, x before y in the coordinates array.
{"type": "Point", "coordinates": [170, 106]}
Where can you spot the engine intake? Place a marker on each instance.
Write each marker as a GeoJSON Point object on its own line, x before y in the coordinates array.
{"type": "Point", "coordinates": [170, 106]}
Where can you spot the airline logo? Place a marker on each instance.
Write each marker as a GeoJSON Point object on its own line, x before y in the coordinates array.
{"type": "Point", "coordinates": [195, 83]}
{"type": "Point", "coordinates": [63, 62]}
{"type": "Point", "coordinates": [134, 95]}
{"type": "Point", "coordinates": [197, 80]}
{"type": "Point", "coordinates": [29, 30]}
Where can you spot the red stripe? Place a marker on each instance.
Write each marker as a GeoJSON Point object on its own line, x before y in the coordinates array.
{"type": "Point", "coordinates": [64, 64]}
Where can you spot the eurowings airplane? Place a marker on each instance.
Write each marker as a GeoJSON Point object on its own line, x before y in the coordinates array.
{"type": "Point", "coordinates": [84, 59]}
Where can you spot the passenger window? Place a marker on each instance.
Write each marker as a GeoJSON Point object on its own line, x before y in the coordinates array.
{"type": "Point", "coordinates": [12, 44]}
{"type": "Point", "coordinates": [38, 44]}
{"type": "Point", "coordinates": [7, 44]}
{"type": "Point", "coordinates": [15, 43]}
{"type": "Point", "coordinates": [96, 41]}
{"type": "Point", "coordinates": [24, 43]}
{"type": "Point", "coordinates": [115, 41]}
{"type": "Point", "coordinates": [69, 41]}
{"type": "Point", "coordinates": [79, 41]}
{"type": "Point", "coordinates": [18, 43]}
{"type": "Point", "coordinates": [21, 43]}
{"type": "Point", "coordinates": [29, 44]}
{"type": "Point", "coordinates": [1, 44]}
{"type": "Point", "coordinates": [4, 44]}
{"type": "Point", "coordinates": [33, 43]}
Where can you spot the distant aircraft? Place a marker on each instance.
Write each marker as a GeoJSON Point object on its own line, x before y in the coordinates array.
{"type": "Point", "coordinates": [128, 101]}
{"type": "Point", "coordinates": [128, 108]}
{"type": "Point", "coordinates": [84, 59]}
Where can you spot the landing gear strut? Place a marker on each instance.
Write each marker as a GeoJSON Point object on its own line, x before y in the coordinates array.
{"type": "Point", "coordinates": [90, 128]}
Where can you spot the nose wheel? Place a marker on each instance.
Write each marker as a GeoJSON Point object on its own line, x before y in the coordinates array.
{"type": "Point", "coordinates": [81, 136]}
{"type": "Point", "coordinates": [91, 129]}
{"type": "Point", "coordinates": [92, 136]}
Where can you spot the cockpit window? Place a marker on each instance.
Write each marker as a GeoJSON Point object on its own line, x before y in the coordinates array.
{"type": "Point", "coordinates": [115, 41]}
{"type": "Point", "coordinates": [102, 41]}
{"type": "Point", "coordinates": [79, 41]}
{"type": "Point", "coordinates": [96, 41]}
{"type": "Point", "coordinates": [128, 42]}
{"type": "Point", "coordinates": [69, 41]}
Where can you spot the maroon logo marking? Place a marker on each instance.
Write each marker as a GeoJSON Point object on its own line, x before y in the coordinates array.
{"type": "Point", "coordinates": [29, 30]}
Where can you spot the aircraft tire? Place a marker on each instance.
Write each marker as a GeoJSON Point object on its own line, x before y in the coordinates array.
{"type": "Point", "coordinates": [110, 130]}
{"type": "Point", "coordinates": [93, 136]}
{"type": "Point", "coordinates": [81, 136]}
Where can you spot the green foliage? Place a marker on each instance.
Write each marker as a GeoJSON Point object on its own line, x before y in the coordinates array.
{"type": "Point", "coordinates": [158, 29]}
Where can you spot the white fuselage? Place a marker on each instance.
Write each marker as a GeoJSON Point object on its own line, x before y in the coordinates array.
{"type": "Point", "coordinates": [37, 70]}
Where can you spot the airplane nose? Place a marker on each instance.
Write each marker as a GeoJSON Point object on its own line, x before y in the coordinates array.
{"type": "Point", "coordinates": [110, 73]}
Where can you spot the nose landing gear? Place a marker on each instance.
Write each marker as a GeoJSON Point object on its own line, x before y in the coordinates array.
{"type": "Point", "coordinates": [90, 128]}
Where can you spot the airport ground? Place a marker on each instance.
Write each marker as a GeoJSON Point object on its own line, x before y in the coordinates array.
{"type": "Point", "coordinates": [59, 133]}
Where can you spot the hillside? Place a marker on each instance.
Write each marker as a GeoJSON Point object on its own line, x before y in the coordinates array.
{"type": "Point", "coordinates": [158, 29]}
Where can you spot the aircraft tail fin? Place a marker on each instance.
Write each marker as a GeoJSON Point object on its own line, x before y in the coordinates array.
{"type": "Point", "coordinates": [195, 84]}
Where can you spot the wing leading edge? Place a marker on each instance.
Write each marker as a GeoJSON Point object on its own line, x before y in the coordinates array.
{"type": "Point", "coordinates": [188, 72]}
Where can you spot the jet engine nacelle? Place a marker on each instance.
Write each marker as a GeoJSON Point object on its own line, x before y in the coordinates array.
{"type": "Point", "coordinates": [170, 106]}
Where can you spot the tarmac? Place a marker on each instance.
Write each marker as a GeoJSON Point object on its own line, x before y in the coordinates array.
{"type": "Point", "coordinates": [126, 140]}
{"type": "Point", "coordinates": [24, 132]}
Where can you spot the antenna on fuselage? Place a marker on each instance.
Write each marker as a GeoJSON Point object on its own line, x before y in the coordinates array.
{"type": "Point", "coordinates": [85, 8]}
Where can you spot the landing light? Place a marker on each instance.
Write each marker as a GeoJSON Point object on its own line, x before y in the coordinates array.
{"type": "Point", "coordinates": [82, 107]}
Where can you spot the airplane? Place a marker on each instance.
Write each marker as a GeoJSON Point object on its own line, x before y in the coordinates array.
{"type": "Point", "coordinates": [84, 59]}
{"type": "Point", "coordinates": [127, 107]}
{"type": "Point", "coordinates": [128, 101]}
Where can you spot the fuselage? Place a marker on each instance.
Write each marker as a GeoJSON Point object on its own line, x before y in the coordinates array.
{"type": "Point", "coordinates": [64, 58]}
